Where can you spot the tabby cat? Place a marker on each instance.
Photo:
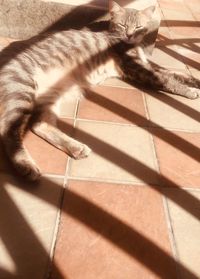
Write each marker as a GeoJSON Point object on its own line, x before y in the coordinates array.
{"type": "Point", "coordinates": [71, 59]}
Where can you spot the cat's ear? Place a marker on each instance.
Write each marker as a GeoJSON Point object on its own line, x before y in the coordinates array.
{"type": "Point", "coordinates": [148, 12]}
{"type": "Point", "coordinates": [115, 8]}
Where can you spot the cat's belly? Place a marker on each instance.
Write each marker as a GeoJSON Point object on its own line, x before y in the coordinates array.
{"type": "Point", "coordinates": [99, 74]}
{"type": "Point", "coordinates": [58, 82]}
{"type": "Point", "coordinates": [55, 79]}
{"type": "Point", "coordinates": [54, 87]}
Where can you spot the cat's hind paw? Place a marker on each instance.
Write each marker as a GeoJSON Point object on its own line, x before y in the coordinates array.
{"type": "Point", "coordinates": [28, 170]}
{"type": "Point", "coordinates": [193, 93]}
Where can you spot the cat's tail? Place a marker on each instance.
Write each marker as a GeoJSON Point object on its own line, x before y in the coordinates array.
{"type": "Point", "coordinates": [16, 107]}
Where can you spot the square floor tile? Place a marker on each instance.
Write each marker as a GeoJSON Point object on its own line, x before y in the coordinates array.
{"type": "Point", "coordinates": [113, 104]}
{"type": "Point", "coordinates": [28, 215]}
{"type": "Point", "coordinates": [119, 153]}
{"type": "Point", "coordinates": [47, 157]}
{"type": "Point", "coordinates": [186, 229]}
{"type": "Point", "coordinates": [174, 112]}
{"type": "Point", "coordinates": [113, 231]}
{"type": "Point", "coordinates": [178, 155]}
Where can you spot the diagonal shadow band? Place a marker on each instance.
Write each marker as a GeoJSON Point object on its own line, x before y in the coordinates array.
{"type": "Point", "coordinates": [6, 274]}
{"type": "Point", "coordinates": [181, 23]}
{"type": "Point", "coordinates": [182, 41]}
{"type": "Point", "coordinates": [181, 57]}
{"type": "Point", "coordinates": [20, 240]}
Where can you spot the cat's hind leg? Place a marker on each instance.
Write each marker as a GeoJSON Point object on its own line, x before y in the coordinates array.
{"type": "Point", "coordinates": [15, 111]}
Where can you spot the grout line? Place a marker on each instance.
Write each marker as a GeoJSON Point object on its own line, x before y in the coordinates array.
{"type": "Point", "coordinates": [164, 200]}
{"type": "Point", "coordinates": [139, 126]}
{"type": "Point", "coordinates": [156, 161]}
{"type": "Point", "coordinates": [145, 106]}
{"type": "Point", "coordinates": [55, 233]}
{"type": "Point", "coordinates": [134, 183]}
{"type": "Point", "coordinates": [171, 234]}
{"type": "Point", "coordinates": [110, 122]}
{"type": "Point", "coordinates": [150, 134]}
{"type": "Point", "coordinates": [107, 180]}
{"type": "Point", "coordinates": [76, 109]}
{"type": "Point", "coordinates": [66, 170]}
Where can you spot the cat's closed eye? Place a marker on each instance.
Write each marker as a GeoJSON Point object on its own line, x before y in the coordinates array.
{"type": "Point", "coordinates": [121, 25]}
{"type": "Point", "coordinates": [138, 27]}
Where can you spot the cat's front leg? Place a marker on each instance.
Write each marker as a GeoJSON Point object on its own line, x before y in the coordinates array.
{"type": "Point", "coordinates": [54, 136]}
{"type": "Point", "coordinates": [161, 79]}
{"type": "Point", "coordinates": [44, 129]}
{"type": "Point", "coordinates": [177, 83]}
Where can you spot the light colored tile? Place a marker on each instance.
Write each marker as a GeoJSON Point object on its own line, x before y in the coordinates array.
{"type": "Point", "coordinates": [106, 231]}
{"type": "Point", "coordinates": [120, 153]}
{"type": "Point", "coordinates": [27, 224]}
{"type": "Point", "coordinates": [186, 229]}
{"type": "Point", "coordinates": [167, 57]}
{"type": "Point", "coordinates": [173, 111]}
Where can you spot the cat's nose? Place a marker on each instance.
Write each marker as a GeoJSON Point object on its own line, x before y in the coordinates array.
{"type": "Point", "coordinates": [129, 36]}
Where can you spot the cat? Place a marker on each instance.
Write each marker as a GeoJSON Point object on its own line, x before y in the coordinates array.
{"type": "Point", "coordinates": [68, 60]}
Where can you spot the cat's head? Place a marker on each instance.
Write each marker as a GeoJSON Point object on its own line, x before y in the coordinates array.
{"type": "Point", "coordinates": [129, 25]}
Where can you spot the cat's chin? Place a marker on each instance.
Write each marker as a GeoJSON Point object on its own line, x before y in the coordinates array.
{"type": "Point", "coordinates": [131, 42]}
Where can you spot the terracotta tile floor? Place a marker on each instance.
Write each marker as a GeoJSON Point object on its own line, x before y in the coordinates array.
{"type": "Point", "coordinates": [132, 208]}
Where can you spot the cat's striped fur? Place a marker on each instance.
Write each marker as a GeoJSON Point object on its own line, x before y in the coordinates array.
{"type": "Point", "coordinates": [68, 59]}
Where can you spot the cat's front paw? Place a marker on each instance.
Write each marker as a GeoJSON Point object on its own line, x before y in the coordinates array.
{"type": "Point", "coordinates": [193, 93]}
{"type": "Point", "coordinates": [80, 151]}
